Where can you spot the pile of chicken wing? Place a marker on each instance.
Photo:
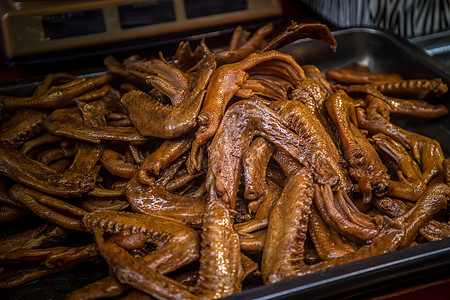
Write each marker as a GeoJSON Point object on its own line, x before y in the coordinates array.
{"type": "Point", "coordinates": [193, 175]}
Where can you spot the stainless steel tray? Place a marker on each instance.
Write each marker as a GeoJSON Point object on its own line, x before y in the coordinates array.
{"type": "Point", "coordinates": [383, 53]}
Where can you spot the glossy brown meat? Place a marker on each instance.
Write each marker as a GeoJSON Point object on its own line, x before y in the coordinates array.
{"type": "Point", "coordinates": [170, 238]}
{"type": "Point", "coordinates": [42, 236]}
{"type": "Point", "coordinates": [131, 238]}
{"type": "Point", "coordinates": [162, 157]}
{"type": "Point", "coordinates": [103, 288]}
{"type": "Point", "coordinates": [157, 201]}
{"type": "Point", "coordinates": [77, 123]}
{"type": "Point", "coordinates": [11, 213]}
{"type": "Point", "coordinates": [52, 79]}
{"type": "Point", "coordinates": [101, 192]}
{"type": "Point", "coordinates": [238, 51]}
{"type": "Point", "coordinates": [272, 88]}
{"type": "Point", "coordinates": [49, 208]}
{"type": "Point", "coordinates": [226, 82]}
{"type": "Point", "coordinates": [286, 233]}
{"type": "Point", "coordinates": [253, 242]}
{"type": "Point", "coordinates": [311, 71]}
{"type": "Point", "coordinates": [22, 126]}
{"type": "Point", "coordinates": [311, 95]}
{"type": "Point", "coordinates": [446, 167]}
{"type": "Point", "coordinates": [260, 220]}
{"type": "Point", "coordinates": [117, 164]}
{"type": "Point", "coordinates": [167, 79]}
{"type": "Point", "coordinates": [427, 152]}
{"type": "Point", "coordinates": [221, 270]}
{"type": "Point", "coordinates": [220, 263]}
{"type": "Point", "coordinates": [410, 184]}
{"type": "Point", "coordinates": [95, 203]}
{"type": "Point", "coordinates": [433, 200]}
{"type": "Point", "coordinates": [255, 160]}
{"type": "Point", "coordinates": [49, 257]}
{"type": "Point", "coordinates": [389, 239]}
{"type": "Point", "coordinates": [412, 107]}
{"type": "Point", "coordinates": [56, 96]}
{"type": "Point", "coordinates": [78, 179]}
{"type": "Point", "coordinates": [241, 123]}
{"type": "Point", "coordinates": [168, 173]}
{"type": "Point", "coordinates": [296, 31]}
{"type": "Point", "coordinates": [352, 76]}
{"type": "Point", "coordinates": [152, 118]}
{"type": "Point", "coordinates": [129, 271]}
{"type": "Point", "coordinates": [433, 231]}
{"type": "Point", "coordinates": [53, 262]}
{"type": "Point", "coordinates": [181, 180]}
{"type": "Point", "coordinates": [287, 163]}
{"type": "Point", "coordinates": [308, 127]}
{"type": "Point", "coordinates": [391, 206]}
{"type": "Point", "coordinates": [43, 140]}
{"type": "Point", "coordinates": [326, 204]}
{"type": "Point", "coordinates": [328, 243]}
{"type": "Point", "coordinates": [5, 199]}
{"type": "Point", "coordinates": [185, 57]}
{"type": "Point", "coordinates": [413, 88]}
{"type": "Point", "coordinates": [365, 165]}
{"type": "Point", "coordinates": [299, 149]}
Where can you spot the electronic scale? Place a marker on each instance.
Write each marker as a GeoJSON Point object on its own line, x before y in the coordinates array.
{"type": "Point", "coordinates": [31, 27]}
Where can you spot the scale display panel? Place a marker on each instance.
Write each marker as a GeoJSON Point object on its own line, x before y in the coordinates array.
{"type": "Point", "coordinates": [41, 26]}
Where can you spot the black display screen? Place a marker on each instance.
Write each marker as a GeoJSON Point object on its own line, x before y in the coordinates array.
{"type": "Point", "coordinates": [75, 23]}
{"type": "Point", "coordinates": [200, 8]}
{"type": "Point", "coordinates": [146, 13]}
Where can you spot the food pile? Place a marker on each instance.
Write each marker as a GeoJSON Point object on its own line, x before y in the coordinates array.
{"type": "Point", "coordinates": [222, 166]}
